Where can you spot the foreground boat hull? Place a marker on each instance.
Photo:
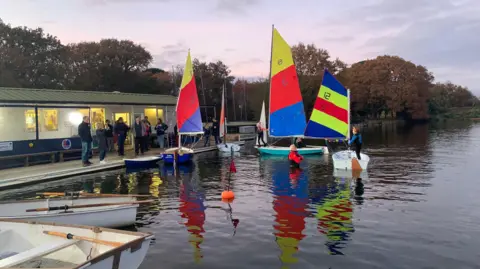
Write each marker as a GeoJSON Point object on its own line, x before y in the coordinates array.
{"type": "Point", "coordinates": [228, 147]}
{"type": "Point", "coordinates": [284, 151]}
{"type": "Point", "coordinates": [347, 160]}
{"type": "Point", "coordinates": [103, 216]}
{"type": "Point", "coordinates": [27, 246]}
{"type": "Point", "coordinates": [109, 216]}
{"type": "Point", "coordinates": [146, 162]}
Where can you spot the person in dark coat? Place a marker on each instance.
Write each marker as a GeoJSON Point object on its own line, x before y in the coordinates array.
{"type": "Point", "coordinates": [161, 128]}
{"type": "Point", "coordinates": [216, 132]}
{"type": "Point", "coordinates": [120, 130]}
{"type": "Point", "coordinates": [109, 135]}
{"type": "Point", "coordinates": [206, 134]}
{"type": "Point", "coordinates": [86, 138]}
{"type": "Point", "coordinates": [299, 143]}
{"type": "Point", "coordinates": [102, 142]}
{"type": "Point", "coordinates": [148, 132]}
{"type": "Point", "coordinates": [139, 131]}
{"type": "Point", "coordinates": [356, 140]}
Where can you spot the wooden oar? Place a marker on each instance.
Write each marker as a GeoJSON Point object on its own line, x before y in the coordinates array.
{"type": "Point", "coordinates": [66, 207]}
{"type": "Point", "coordinates": [77, 237]}
{"type": "Point", "coordinates": [89, 194]}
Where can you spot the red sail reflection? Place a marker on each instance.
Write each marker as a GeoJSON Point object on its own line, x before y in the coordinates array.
{"type": "Point", "coordinates": [290, 202]}
{"type": "Point", "coordinates": [192, 210]}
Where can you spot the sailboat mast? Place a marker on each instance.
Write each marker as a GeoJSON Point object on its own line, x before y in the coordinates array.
{"type": "Point", "coordinates": [270, 82]}
{"type": "Point", "coordinates": [224, 114]}
{"type": "Point", "coordinates": [348, 130]}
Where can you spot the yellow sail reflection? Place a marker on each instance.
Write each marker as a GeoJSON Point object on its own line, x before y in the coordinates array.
{"type": "Point", "coordinates": [155, 183]}
{"type": "Point", "coordinates": [132, 182]}
{"type": "Point", "coordinates": [335, 218]}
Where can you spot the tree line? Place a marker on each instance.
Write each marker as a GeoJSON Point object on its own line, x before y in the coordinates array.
{"type": "Point", "coordinates": [384, 87]}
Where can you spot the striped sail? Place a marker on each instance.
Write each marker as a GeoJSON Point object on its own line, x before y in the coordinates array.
{"type": "Point", "coordinates": [330, 116]}
{"type": "Point", "coordinates": [189, 120]}
{"type": "Point", "coordinates": [287, 115]}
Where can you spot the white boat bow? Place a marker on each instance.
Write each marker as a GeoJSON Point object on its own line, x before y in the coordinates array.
{"type": "Point", "coordinates": [33, 245]}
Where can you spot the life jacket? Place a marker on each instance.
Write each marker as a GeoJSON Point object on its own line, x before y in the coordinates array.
{"type": "Point", "coordinates": [294, 158]}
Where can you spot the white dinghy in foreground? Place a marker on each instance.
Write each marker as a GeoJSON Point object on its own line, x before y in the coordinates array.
{"type": "Point", "coordinates": [108, 212]}
{"type": "Point", "coordinates": [49, 245]}
{"type": "Point", "coordinates": [347, 160]}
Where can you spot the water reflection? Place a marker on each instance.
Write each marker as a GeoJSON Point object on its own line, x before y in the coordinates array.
{"type": "Point", "coordinates": [192, 209]}
{"type": "Point", "coordinates": [290, 190]}
{"type": "Point", "coordinates": [334, 213]}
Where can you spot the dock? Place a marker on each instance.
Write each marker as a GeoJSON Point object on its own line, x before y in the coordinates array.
{"type": "Point", "coordinates": [24, 176]}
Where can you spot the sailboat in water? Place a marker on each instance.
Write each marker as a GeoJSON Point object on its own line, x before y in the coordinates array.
{"type": "Point", "coordinates": [189, 121]}
{"type": "Point", "coordinates": [330, 120]}
{"type": "Point", "coordinates": [225, 147]}
{"type": "Point", "coordinates": [287, 115]}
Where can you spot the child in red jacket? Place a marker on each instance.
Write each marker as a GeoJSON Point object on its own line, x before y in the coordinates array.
{"type": "Point", "coordinates": [294, 157]}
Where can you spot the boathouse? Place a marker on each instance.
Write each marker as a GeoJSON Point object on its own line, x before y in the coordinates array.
{"type": "Point", "coordinates": [39, 124]}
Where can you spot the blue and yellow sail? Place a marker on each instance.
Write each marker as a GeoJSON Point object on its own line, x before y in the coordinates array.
{"type": "Point", "coordinates": [330, 116]}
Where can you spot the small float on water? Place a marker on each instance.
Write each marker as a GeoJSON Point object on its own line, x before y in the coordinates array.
{"type": "Point", "coordinates": [105, 211]}
{"type": "Point", "coordinates": [189, 120]}
{"type": "Point", "coordinates": [142, 162]}
{"type": "Point", "coordinates": [28, 244]}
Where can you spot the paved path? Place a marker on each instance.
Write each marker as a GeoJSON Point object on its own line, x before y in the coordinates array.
{"type": "Point", "coordinates": [15, 177]}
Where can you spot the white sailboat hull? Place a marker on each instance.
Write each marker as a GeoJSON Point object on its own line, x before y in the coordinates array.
{"type": "Point", "coordinates": [228, 147]}
{"type": "Point", "coordinates": [103, 216]}
{"type": "Point", "coordinates": [25, 245]}
{"type": "Point", "coordinates": [345, 160]}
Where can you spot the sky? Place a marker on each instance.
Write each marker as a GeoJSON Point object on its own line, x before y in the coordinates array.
{"type": "Point", "coordinates": [442, 35]}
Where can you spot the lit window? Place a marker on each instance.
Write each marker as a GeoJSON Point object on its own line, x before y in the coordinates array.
{"type": "Point", "coordinates": [30, 121]}
{"type": "Point", "coordinates": [50, 120]}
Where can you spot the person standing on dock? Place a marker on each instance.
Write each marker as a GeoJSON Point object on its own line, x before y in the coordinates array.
{"type": "Point", "coordinates": [206, 134]}
{"type": "Point", "coordinates": [260, 130]}
{"type": "Point", "coordinates": [86, 137]}
{"type": "Point", "coordinates": [148, 131]}
{"type": "Point", "coordinates": [120, 130]}
{"type": "Point", "coordinates": [139, 129]}
{"type": "Point", "coordinates": [109, 135]}
{"type": "Point", "coordinates": [161, 128]}
{"type": "Point", "coordinates": [101, 133]}
{"type": "Point", "coordinates": [216, 132]}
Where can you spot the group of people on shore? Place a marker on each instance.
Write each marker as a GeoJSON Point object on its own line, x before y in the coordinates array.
{"type": "Point", "coordinates": [106, 134]}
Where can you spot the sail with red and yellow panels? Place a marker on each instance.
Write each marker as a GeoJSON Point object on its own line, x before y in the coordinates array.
{"type": "Point", "coordinates": [330, 115]}
{"type": "Point", "coordinates": [287, 115]}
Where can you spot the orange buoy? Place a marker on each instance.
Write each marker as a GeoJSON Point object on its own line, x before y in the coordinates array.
{"type": "Point", "coordinates": [228, 195]}
{"type": "Point", "coordinates": [228, 201]}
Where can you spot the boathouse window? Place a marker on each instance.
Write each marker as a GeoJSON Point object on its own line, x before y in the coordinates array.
{"type": "Point", "coordinates": [49, 120]}
{"type": "Point", "coordinates": [153, 114]}
{"type": "Point", "coordinates": [30, 121]}
{"type": "Point", "coordinates": [160, 114]}
{"type": "Point", "coordinates": [98, 116]}
{"type": "Point", "coordinates": [13, 125]}
{"type": "Point", "coordinates": [60, 122]}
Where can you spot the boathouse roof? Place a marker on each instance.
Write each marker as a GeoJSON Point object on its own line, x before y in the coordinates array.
{"type": "Point", "coordinates": [47, 96]}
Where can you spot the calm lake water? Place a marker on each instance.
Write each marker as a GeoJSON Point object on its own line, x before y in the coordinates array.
{"type": "Point", "coordinates": [419, 206]}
